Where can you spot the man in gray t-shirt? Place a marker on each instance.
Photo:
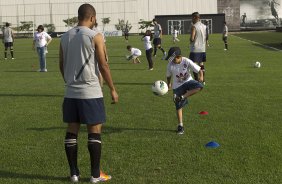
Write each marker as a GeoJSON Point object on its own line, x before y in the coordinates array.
{"type": "Point", "coordinates": [82, 58]}
{"type": "Point", "coordinates": [8, 39]}
{"type": "Point", "coordinates": [158, 38]}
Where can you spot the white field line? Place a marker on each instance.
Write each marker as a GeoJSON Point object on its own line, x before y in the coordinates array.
{"type": "Point", "coordinates": [273, 48]}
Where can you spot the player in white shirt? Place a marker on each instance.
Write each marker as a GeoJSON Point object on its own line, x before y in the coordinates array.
{"type": "Point", "coordinates": [183, 84]}
{"type": "Point", "coordinates": [8, 40]}
{"type": "Point", "coordinates": [224, 35]}
{"type": "Point", "coordinates": [134, 54]}
{"type": "Point", "coordinates": [148, 47]}
{"type": "Point", "coordinates": [174, 35]}
{"type": "Point", "coordinates": [41, 40]}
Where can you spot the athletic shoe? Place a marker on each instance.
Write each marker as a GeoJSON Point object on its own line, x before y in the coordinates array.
{"type": "Point", "coordinates": [224, 49]}
{"type": "Point", "coordinates": [103, 177]}
{"type": "Point", "coordinates": [155, 55]}
{"type": "Point", "coordinates": [180, 130]}
{"type": "Point", "coordinates": [6, 58]}
{"type": "Point", "coordinates": [151, 69]}
{"type": "Point", "coordinates": [13, 58]}
{"type": "Point", "coordinates": [74, 179]}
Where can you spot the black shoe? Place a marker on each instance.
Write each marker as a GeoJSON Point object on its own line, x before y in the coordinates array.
{"type": "Point", "coordinates": [180, 130]}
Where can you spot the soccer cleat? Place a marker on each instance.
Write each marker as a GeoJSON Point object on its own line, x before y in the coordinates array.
{"type": "Point", "coordinates": [180, 130]}
{"type": "Point", "coordinates": [13, 58]}
{"type": "Point", "coordinates": [74, 179]}
{"type": "Point", "coordinates": [103, 177]}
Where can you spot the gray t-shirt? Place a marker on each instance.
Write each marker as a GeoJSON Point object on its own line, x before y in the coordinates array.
{"type": "Point", "coordinates": [157, 31]}
{"type": "Point", "coordinates": [80, 64]}
{"type": "Point", "coordinates": [7, 34]}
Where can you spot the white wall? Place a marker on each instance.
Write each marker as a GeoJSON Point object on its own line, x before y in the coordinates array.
{"type": "Point", "coordinates": [54, 11]}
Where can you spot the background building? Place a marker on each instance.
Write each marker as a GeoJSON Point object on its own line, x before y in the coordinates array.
{"type": "Point", "coordinates": [55, 11]}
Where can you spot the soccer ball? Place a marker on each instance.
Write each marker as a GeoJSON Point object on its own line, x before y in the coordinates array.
{"type": "Point", "coordinates": [159, 88]}
{"type": "Point", "coordinates": [257, 64]}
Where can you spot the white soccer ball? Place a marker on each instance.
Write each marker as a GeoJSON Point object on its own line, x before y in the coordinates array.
{"type": "Point", "coordinates": [159, 88]}
{"type": "Point", "coordinates": [257, 64]}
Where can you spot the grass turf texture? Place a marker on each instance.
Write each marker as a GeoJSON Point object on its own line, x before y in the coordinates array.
{"type": "Point", "coordinates": [139, 140]}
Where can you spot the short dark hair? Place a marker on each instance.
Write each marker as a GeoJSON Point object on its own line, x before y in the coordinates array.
{"type": "Point", "coordinates": [86, 11]}
{"type": "Point", "coordinates": [195, 14]}
{"type": "Point", "coordinates": [154, 20]}
{"type": "Point", "coordinates": [7, 24]}
{"type": "Point", "coordinates": [40, 27]}
{"type": "Point", "coordinates": [128, 47]}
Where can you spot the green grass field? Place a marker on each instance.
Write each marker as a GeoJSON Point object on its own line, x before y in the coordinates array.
{"type": "Point", "coordinates": [140, 145]}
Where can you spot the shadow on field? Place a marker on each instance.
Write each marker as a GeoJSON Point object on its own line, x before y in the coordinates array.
{"type": "Point", "coordinates": [270, 46]}
{"type": "Point", "coordinates": [30, 95]}
{"type": "Point", "coordinates": [28, 71]}
{"type": "Point", "coordinates": [111, 130]}
{"type": "Point", "coordinates": [121, 69]}
{"type": "Point", "coordinates": [13, 175]}
{"type": "Point", "coordinates": [133, 83]}
{"type": "Point", "coordinates": [106, 129]}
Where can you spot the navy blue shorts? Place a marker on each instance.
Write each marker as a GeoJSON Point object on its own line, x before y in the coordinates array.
{"type": "Point", "coordinates": [197, 57]}
{"type": "Point", "coordinates": [8, 44]}
{"type": "Point", "coordinates": [157, 41]}
{"type": "Point", "coordinates": [84, 111]}
{"type": "Point", "coordinates": [181, 90]}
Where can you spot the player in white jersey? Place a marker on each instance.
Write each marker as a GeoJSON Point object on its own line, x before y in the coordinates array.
{"type": "Point", "coordinates": [174, 35]}
{"type": "Point", "coordinates": [8, 40]}
{"type": "Point", "coordinates": [82, 58]}
{"type": "Point", "coordinates": [224, 35]}
{"type": "Point", "coordinates": [198, 43]}
{"type": "Point", "coordinates": [134, 54]}
{"type": "Point", "coordinates": [148, 47]}
{"type": "Point", "coordinates": [183, 85]}
{"type": "Point", "coordinates": [157, 41]}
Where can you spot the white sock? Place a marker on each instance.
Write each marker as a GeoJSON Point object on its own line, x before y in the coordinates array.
{"type": "Point", "coordinates": [181, 124]}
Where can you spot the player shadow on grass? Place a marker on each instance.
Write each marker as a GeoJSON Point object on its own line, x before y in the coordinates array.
{"type": "Point", "coordinates": [269, 46]}
{"type": "Point", "coordinates": [30, 95]}
{"type": "Point", "coordinates": [23, 176]}
{"type": "Point", "coordinates": [134, 83]}
{"type": "Point", "coordinates": [106, 129]}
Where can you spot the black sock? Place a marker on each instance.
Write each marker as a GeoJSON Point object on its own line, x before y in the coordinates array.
{"type": "Point", "coordinates": [94, 148]}
{"type": "Point", "coordinates": [162, 50]}
{"type": "Point", "coordinates": [5, 53]}
{"type": "Point", "coordinates": [12, 53]}
{"type": "Point", "coordinates": [71, 152]}
{"type": "Point", "coordinates": [226, 46]}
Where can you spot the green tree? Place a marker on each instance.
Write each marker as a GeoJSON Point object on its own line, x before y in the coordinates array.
{"type": "Point", "coordinates": [26, 26]}
{"type": "Point", "coordinates": [121, 25]}
{"type": "Point", "coordinates": [71, 22]}
{"type": "Point", "coordinates": [145, 24]}
{"type": "Point", "coordinates": [105, 21]}
{"type": "Point", "coordinates": [49, 27]}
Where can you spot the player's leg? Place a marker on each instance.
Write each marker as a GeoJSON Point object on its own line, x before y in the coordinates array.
{"type": "Point", "coordinates": [12, 50]}
{"type": "Point", "coordinates": [180, 127]}
{"type": "Point", "coordinates": [94, 148]}
{"type": "Point", "coordinates": [70, 116]}
{"type": "Point", "coordinates": [149, 58]}
{"type": "Point", "coordinates": [6, 50]}
{"type": "Point", "coordinates": [203, 70]}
